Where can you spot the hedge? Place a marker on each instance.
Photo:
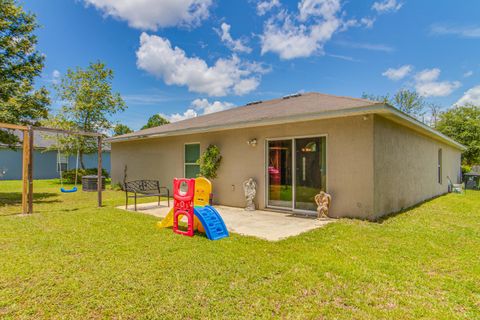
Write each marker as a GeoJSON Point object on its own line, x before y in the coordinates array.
{"type": "Point", "coordinates": [69, 175]}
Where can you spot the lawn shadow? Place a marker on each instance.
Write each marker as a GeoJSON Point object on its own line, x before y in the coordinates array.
{"type": "Point", "coordinates": [15, 198]}
{"type": "Point", "coordinates": [392, 215]}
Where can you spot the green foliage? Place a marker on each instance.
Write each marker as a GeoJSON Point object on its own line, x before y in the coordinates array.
{"type": "Point", "coordinates": [466, 168]}
{"type": "Point", "coordinates": [405, 100]}
{"type": "Point", "coordinates": [69, 175]}
{"type": "Point", "coordinates": [462, 123]}
{"type": "Point", "coordinates": [89, 105]}
{"type": "Point", "coordinates": [20, 63]}
{"type": "Point", "coordinates": [121, 129]}
{"type": "Point", "coordinates": [155, 121]}
{"type": "Point", "coordinates": [210, 162]}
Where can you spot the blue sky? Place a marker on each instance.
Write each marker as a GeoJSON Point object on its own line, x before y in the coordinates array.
{"type": "Point", "coordinates": [190, 57]}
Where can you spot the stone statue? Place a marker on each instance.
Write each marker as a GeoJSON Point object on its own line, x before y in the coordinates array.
{"type": "Point", "coordinates": [250, 189]}
{"type": "Point", "coordinates": [323, 201]}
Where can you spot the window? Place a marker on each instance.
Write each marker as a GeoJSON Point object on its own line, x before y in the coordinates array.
{"type": "Point", "coordinates": [62, 162]}
{"type": "Point", "coordinates": [192, 154]}
{"type": "Point", "coordinates": [439, 166]}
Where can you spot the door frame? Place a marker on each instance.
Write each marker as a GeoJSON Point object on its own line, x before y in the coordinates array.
{"type": "Point", "coordinates": [294, 171]}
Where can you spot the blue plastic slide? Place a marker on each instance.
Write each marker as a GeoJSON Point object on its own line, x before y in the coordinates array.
{"type": "Point", "coordinates": [212, 222]}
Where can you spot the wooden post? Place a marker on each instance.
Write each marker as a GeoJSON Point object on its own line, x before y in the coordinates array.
{"type": "Point", "coordinates": [30, 169]}
{"type": "Point", "coordinates": [99, 171]}
{"type": "Point", "coordinates": [25, 165]}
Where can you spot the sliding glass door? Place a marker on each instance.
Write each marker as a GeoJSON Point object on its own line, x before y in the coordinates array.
{"type": "Point", "coordinates": [310, 171]}
{"type": "Point", "coordinates": [280, 155]}
{"type": "Point", "coordinates": [296, 172]}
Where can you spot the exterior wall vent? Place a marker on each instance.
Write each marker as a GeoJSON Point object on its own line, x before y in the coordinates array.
{"type": "Point", "coordinates": [292, 96]}
{"type": "Point", "coordinates": [254, 102]}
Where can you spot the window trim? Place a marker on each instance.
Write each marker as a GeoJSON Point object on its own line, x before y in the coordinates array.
{"type": "Point", "coordinates": [185, 164]}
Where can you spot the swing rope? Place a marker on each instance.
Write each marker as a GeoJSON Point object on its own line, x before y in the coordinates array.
{"type": "Point", "coordinates": [59, 158]}
{"type": "Point", "coordinates": [76, 167]}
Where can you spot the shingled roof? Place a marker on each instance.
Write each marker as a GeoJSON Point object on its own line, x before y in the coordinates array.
{"type": "Point", "coordinates": [289, 107]}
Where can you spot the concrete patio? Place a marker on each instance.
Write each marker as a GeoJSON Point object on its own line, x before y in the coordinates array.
{"type": "Point", "coordinates": [267, 225]}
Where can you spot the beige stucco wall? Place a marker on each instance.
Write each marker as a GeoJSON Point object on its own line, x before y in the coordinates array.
{"type": "Point", "coordinates": [406, 167]}
{"type": "Point", "coordinates": [349, 161]}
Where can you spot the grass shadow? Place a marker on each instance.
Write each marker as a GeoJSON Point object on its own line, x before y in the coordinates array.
{"type": "Point", "coordinates": [392, 215]}
{"type": "Point", "coordinates": [15, 198]}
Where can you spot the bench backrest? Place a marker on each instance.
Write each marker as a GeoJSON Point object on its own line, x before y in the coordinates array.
{"type": "Point", "coordinates": [142, 186]}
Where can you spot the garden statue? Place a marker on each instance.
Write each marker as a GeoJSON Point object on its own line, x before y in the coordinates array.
{"type": "Point", "coordinates": [323, 201]}
{"type": "Point", "coordinates": [250, 189]}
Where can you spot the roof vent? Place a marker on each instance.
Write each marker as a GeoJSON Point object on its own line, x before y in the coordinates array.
{"type": "Point", "coordinates": [292, 96]}
{"type": "Point", "coordinates": [254, 102]}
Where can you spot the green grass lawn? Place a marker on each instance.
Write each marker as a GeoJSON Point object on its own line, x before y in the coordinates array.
{"type": "Point", "coordinates": [72, 260]}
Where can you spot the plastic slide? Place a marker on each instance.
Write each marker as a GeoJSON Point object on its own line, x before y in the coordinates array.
{"type": "Point", "coordinates": [212, 222]}
{"type": "Point", "coordinates": [167, 222]}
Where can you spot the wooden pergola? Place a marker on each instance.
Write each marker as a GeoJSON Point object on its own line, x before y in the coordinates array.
{"type": "Point", "coordinates": [27, 160]}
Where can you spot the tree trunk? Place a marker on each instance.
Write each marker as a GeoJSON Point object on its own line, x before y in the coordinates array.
{"type": "Point", "coordinates": [82, 165]}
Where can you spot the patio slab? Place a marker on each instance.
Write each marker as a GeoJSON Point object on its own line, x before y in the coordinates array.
{"type": "Point", "coordinates": [267, 225]}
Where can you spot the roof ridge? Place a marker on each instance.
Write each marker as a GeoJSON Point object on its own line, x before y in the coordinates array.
{"type": "Point", "coordinates": [347, 97]}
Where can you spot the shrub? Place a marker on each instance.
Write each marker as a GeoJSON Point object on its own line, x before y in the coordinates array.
{"type": "Point", "coordinates": [209, 162]}
{"type": "Point", "coordinates": [69, 175]}
{"type": "Point", "coordinates": [466, 168]}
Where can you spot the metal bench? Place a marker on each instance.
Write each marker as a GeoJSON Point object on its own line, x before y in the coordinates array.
{"type": "Point", "coordinates": [144, 189]}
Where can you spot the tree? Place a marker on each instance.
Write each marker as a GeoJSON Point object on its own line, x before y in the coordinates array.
{"type": "Point", "coordinates": [405, 100]}
{"type": "Point", "coordinates": [155, 121]}
{"type": "Point", "coordinates": [20, 63]}
{"type": "Point", "coordinates": [434, 110]}
{"type": "Point", "coordinates": [121, 129]}
{"type": "Point", "coordinates": [89, 102]}
{"type": "Point", "coordinates": [462, 123]}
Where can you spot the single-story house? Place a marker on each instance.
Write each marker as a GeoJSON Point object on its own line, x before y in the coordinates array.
{"type": "Point", "coordinates": [372, 158]}
{"type": "Point", "coordinates": [46, 163]}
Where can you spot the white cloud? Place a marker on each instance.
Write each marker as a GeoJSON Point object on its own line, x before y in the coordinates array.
{"type": "Point", "coordinates": [264, 6]}
{"type": "Point", "coordinates": [207, 107]}
{"type": "Point", "coordinates": [157, 56]}
{"type": "Point", "coordinates": [399, 73]}
{"type": "Point", "coordinates": [342, 57]}
{"type": "Point", "coordinates": [175, 117]}
{"type": "Point", "coordinates": [154, 14]}
{"type": "Point", "coordinates": [437, 89]}
{"type": "Point", "coordinates": [426, 84]}
{"type": "Point", "coordinates": [460, 31]}
{"type": "Point", "coordinates": [468, 74]}
{"type": "Point", "coordinates": [199, 107]}
{"type": "Point", "coordinates": [246, 86]}
{"type": "Point", "coordinates": [56, 75]}
{"type": "Point", "coordinates": [366, 46]}
{"type": "Point", "coordinates": [289, 40]}
{"type": "Point", "coordinates": [387, 6]}
{"type": "Point", "coordinates": [327, 9]}
{"type": "Point", "coordinates": [367, 22]}
{"type": "Point", "coordinates": [471, 96]}
{"type": "Point", "coordinates": [428, 75]}
{"type": "Point", "coordinates": [306, 32]}
{"type": "Point", "coordinates": [235, 45]}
